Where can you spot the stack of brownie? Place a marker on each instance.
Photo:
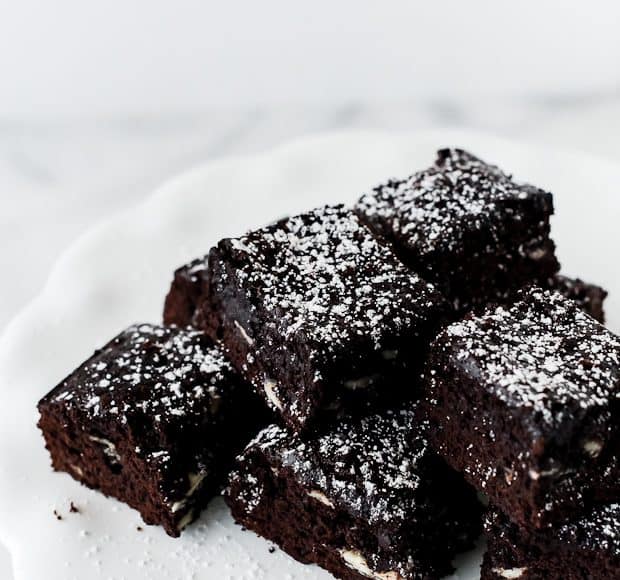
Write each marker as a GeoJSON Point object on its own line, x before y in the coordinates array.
{"type": "Point", "coordinates": [524, 400]}
{"type": "Point", "coordinates": [390, 361]}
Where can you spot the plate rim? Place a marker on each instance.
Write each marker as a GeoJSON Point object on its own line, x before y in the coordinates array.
{"type": "Point", "coordinates": [171, 184]}
{"type": "Point", "coordinates": [201, 172]}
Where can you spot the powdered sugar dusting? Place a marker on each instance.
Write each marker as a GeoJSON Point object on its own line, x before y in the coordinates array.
{"type": "Point", "coordinates": [196, 269]}
{"type": "Point", "coordinates": [160, 372]}
{"type": "Point", "coordinates": [324, 274]}
{"type": "Point", "coordinates": [371, 468]}
{"type": "Point", "coordinates": [598, 530]}
{"type": "Point", "coordinates": [435, 209]}
{"type": "Point", "coordinates": [542, 353]}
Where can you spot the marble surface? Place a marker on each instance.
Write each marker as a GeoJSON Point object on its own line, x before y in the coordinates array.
{"type": "Point", "coordinates": [58, 178]}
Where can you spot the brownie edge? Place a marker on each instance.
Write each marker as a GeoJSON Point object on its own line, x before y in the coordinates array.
{"type": "Point", "coordinates": [186, 290]}
{"type": "Point", "coordinates": [589, 297]}
{"type": "Point", "coordinates": [523, 400]}
{"type": "Point", "coordinates": [587, 548]}
{"type": "Point", "coordinates": [369, 499]}
{"type": "Point", "coordinates": [154, 419]}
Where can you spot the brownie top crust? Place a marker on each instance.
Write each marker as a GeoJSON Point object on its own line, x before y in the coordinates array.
{"type": "Point", "coordinates": [542, 354]}
{"type": "Point", "coordinates": [597, 531]}
{"type": "Point", "coordinates": [371, 468]}
{"type": "Point", "coordinates": [589, 297]}
{"type": "Point", "coordinates": [195, 270]}
{"type": "Point", "coordinates": [576, 288]}
{"type": "Point", "coordinates": [436, 210]}
{"type": "Point", "coordinates": [148, 375]}
{"type": "Point", "coordinates": [323, 274]}
{"type": "Point", "coordinates": [187, 288]}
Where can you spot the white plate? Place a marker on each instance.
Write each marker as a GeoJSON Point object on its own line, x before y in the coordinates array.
{"type": "Point", "coordinates": [119, 273]}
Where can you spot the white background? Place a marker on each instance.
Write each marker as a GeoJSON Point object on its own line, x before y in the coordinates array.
{"type": "Point", "coordinates": [101, 101]}
{"type": "Point", "coordinates": [79, 57]}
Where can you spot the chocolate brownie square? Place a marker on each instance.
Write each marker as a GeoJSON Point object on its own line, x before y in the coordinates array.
{"type": "Point", "coordinates": [154, 418]}
{"type": "Point", "coordinates": [587, 548]}
{"type": "Point", "coordinates": [589, 297]}
{"type": "Point", "coordinates": [466, 227]}
{"type": "Point", "coordinates": [525, 401]}
{"type": "Point", "coordinates": [319, 316]}
{"type": "Point", "coordinates": [367, 499]}
{"type": "Point", "coordinates": [185, 292]}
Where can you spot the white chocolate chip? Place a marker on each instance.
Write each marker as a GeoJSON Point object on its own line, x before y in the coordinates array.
{"type": "Point", "coordinates": [77, 470]}
{"type": "Point", "coordinates": [593, 447]}
{"type": "Point", "coordinates": [510, 572]}
{"type": "Point", "coordinates": [269, 386]}
{"type": "Point", "coordinates": [243, 332]}
{"type": "Point", "coordinates": [537, 253]}
{"type": "Point", "coordinates": [353, 559]}
{"type": "Point", "coordinates": [319, 496]}
{"type": "Point", "coordinates": [185, 520]}
{"type": "Point", "coordinates": [177, 505]}
{"type": "Point", "coordinates": [545, 473]}
{"type": "Point", "coordinates": [361, 383]}
{"type": "Point", "coordinates": [108, 447]}
{"type": "Point", "coordinates": [195, 480]}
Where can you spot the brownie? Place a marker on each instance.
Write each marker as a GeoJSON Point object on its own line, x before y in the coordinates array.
{"type": "Point", "coordinates": [367, 499]}
{"type": "Point", "coordinates": [319, 316]}
{"type": "Point", "coordinates": [525, 401]}
{"type": "Point", "coordinates": [587, 548]}
{"type": "Point", "coordinates": [154, 418]}
{"type": "Point", "coordinates": [185, 292]}
{"type": "Point", "coordinates": [466, 227]}
{"type": "Point", "coordinates": [589, 297]}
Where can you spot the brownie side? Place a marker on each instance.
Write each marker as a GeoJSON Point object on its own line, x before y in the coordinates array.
{"type": "Point", "coordinates": [589, 297]}
{"type": "Point", "coordinates": [319, 316]}
{"type": "Point", "coordinates": [154, 418]}
{"type": "Point", "coordinates": [467, 227]}
{"type": "Point", "coordinates": [105, 459]}
{"type": "Point", "coordinates": [523, 401]}
{"type": "Point", "coordinates": [186, 289]}
{"type": "Point", "coordinates": [584, 549]}
{"type": "Point", "coordinates": [366, 500]}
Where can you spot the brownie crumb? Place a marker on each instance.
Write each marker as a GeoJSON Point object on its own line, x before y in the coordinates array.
{"type": "Point", "coordinates": [57, 515]}
{"type": "Point", "coordinates": [272, 549]}
{"type": "Point", "coordinates": [73, 508]}
{"type": "Point", "coordinates": [139, 528]}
